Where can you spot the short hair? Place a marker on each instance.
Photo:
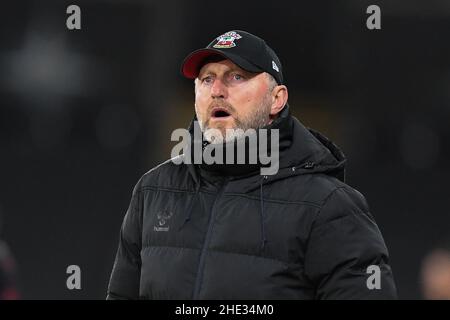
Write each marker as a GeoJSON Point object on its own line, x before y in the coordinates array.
{"type": "Point", "coordinates": [272, 82]}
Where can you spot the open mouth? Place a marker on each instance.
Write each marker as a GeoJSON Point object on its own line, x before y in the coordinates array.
{"type": "Point", "coordinates": [219, 112]}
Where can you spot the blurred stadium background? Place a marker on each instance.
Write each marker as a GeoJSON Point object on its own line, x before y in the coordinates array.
{"type": "Point", "coordinates": [83, 114]}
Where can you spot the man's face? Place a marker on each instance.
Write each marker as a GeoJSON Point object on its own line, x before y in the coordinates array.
{"type": "Point", "coordinates": [227, 97]}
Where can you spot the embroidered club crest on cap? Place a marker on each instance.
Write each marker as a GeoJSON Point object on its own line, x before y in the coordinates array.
{"type": "Point", "coordinates": [227, 40]}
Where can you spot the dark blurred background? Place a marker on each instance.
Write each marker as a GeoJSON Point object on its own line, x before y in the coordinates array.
{"type": "Point", "coordinates": [84, 113]}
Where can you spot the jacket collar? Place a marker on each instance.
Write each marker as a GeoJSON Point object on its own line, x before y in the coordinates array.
{"type": "Point", "coordinates": [301, 150]}
{"type": "Point", "coordinates": [284, 124]}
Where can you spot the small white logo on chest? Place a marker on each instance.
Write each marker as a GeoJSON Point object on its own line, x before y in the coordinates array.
{"type": "Point", "coordinates": [162, 222]}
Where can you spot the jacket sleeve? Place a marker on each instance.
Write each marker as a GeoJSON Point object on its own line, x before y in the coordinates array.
{"type": "Point", "coordinates": [346, 257]}
{"type": "Point", "coordinates": [125, 276]}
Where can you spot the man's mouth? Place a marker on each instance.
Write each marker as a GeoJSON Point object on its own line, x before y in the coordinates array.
{"type": "Point", "coordinates": [219, 112]}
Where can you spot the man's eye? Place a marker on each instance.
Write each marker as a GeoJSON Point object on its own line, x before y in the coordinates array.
{"type": "Point", "coordinates": [238, 77]}
{"type": "Point", "coordinates": [207, 80]}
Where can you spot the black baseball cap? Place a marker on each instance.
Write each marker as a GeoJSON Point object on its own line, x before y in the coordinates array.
{"type": "Point", "coordinates": [244, 49]}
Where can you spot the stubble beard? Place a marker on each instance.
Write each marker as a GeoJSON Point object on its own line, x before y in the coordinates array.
{"type": "Point", "coordinates": [258, 118]}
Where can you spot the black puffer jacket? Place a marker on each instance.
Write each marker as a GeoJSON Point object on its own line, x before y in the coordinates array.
{"type": "Point", "coordinates": [205, 232]}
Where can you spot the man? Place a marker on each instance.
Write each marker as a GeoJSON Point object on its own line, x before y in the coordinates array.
{"type": "Point", "coordinates": [8, 285]}
{"type": "Point", "coordinates": [435, 272]}
{"type": "Point", "coordinates": [8, 272]}
{"type": "Point", "coordinates": [222, 230]}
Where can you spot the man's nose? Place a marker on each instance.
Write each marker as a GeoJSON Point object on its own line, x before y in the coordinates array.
{"type": "Point", "coordinates": [218, 89]}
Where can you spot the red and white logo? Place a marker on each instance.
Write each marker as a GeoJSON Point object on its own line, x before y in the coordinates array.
{"type": "Point", "coordinates": [227, 40]}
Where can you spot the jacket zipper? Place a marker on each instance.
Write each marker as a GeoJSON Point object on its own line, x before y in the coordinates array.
{"type": "Point", "coordinates": [201, 265]}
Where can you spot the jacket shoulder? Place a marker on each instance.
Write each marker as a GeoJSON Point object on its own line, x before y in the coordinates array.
{"type": "Point", "coordinates": [170, 174]}
{"type": "Point", "coordinates": [317, 189]}
{"type": "Point", "coordinates": [341, 202]}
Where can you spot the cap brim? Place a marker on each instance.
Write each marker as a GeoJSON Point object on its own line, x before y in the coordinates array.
{"type": "Point", "coordinates": [192, 64]}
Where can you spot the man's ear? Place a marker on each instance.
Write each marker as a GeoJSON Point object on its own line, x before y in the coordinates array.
{"type": "Point", "coordinates": [279, 99]}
